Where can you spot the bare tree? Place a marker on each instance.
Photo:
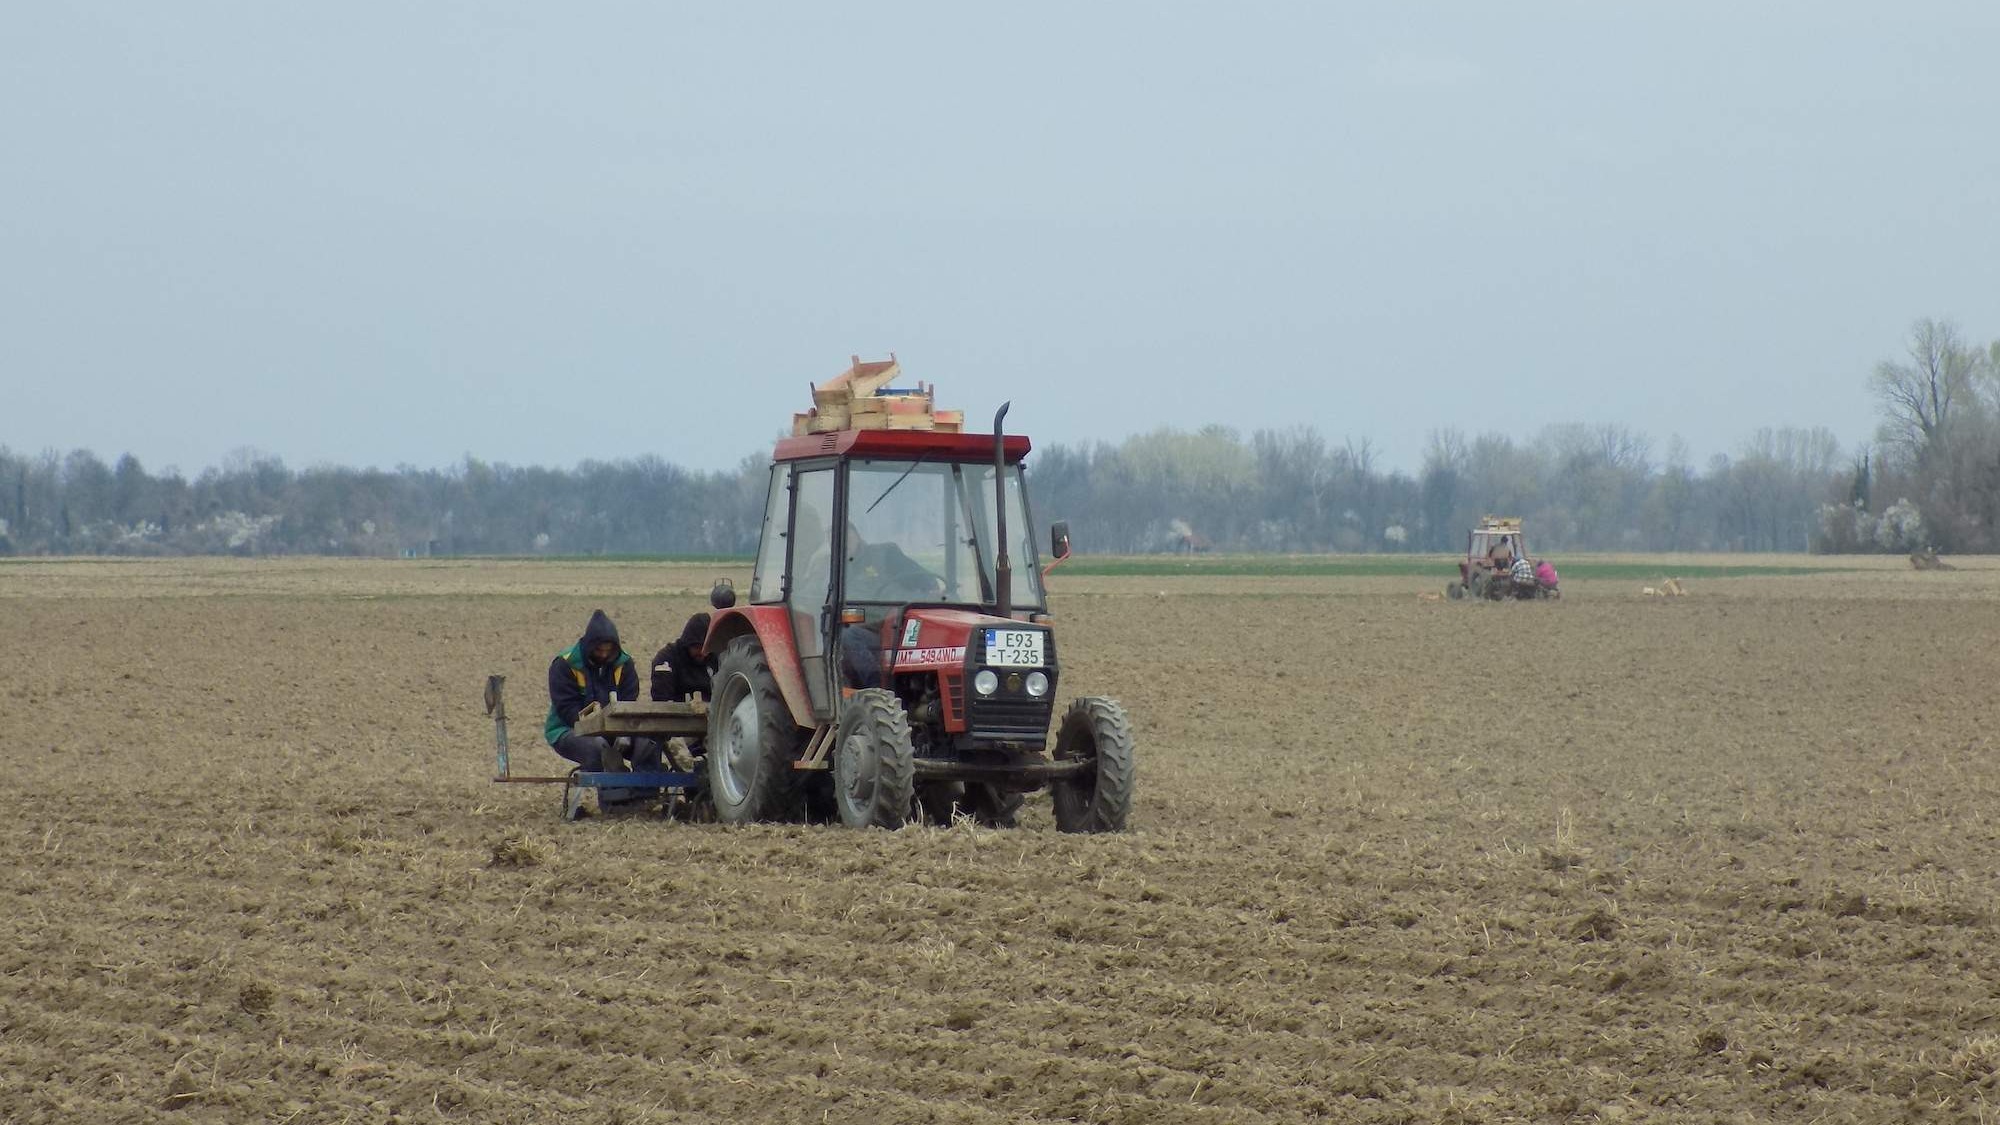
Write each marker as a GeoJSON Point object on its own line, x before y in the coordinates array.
{"type": "Point", "coordinates": [1624, 448]}
{"type": "Point", "coordinates": [1446, 459]}
{"type": "Point", "coordinates": [1360, 456]}
{"type": "Point", "coordinates": [1990, 377]}
{"type": "Point", "coordinates": [1920, 399]}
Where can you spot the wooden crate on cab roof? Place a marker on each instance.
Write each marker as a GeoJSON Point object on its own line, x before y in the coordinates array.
{"type": "Point", "coordinates": [860, 398]}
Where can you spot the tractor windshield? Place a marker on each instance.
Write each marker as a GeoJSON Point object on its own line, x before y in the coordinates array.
{"type": "Point", "coordinates": [922, 532]}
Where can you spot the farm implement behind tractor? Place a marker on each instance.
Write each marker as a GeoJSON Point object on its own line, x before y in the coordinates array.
{"type": "Point", "coordinates": [681, 790]}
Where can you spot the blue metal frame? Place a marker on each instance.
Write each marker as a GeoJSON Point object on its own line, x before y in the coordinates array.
{"type": "Point", "coordinates": [667, 781]}
{"type": "Point", "coordinates": [644, 779]}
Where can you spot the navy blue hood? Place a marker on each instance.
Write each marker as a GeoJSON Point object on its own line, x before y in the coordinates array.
{"type": "Point", "coordinates": [599, 629]}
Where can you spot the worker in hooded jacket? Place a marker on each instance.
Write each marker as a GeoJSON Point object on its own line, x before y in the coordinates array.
{"type": "Point", "coordinates": [683, 669]}
{"type": "Point", "coordinates": [596, 669]}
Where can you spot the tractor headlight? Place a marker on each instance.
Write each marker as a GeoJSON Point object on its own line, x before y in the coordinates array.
{"type": "Point", "coordinates": [1038, 684]}
{"type": "Point", "coordinates": [985, 682]}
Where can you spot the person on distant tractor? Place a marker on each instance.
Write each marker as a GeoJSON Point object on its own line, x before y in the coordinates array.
{"type": "Point", "coordinates": [593, 672]}
{"type": "Point", "coordinates": [1492, 575]}
{"type": "Point", "coordinates": [1523, 575]}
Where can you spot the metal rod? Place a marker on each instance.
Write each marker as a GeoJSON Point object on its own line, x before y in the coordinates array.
{"type": "Point", "coordinates": [1003, 574]}
{"type": "Point", "coordinates": [1031, 772]}
{"type": "Point", "coordinates": [635, 779]}
{"type": "Point", "coordinates": [496, 706]}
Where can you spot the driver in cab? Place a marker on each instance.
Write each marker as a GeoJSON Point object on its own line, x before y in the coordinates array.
{"type": "Point", "coordinates": [882, 571]}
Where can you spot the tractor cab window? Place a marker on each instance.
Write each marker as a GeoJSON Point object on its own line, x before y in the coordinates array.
{"type": "Point", "coordinates": [810, 545]}
{"type": "Point", "coordinates": [907, 537]}
{"type": "Point", "coordinates": [767, 581]}
{"type": "Point", "coordinates": [922, 532]}
{"type": "Point", "coordinates": [1022, 544]}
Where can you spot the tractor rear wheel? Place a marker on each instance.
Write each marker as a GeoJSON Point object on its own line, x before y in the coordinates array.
{"type": "Point", "coordinates": [1100, 799]}
{"type": "Point", "coordinates": [874, 767]}
{"type": "Point", "coordinates": [751, 739]}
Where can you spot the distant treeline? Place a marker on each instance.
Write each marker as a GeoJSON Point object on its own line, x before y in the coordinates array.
{"type": "Point", "coordinates": [1933, 479]}
{"type": "Point", "coordinates": [1579, 487]}
{"type": "Point", "coordinates": [253, 504]}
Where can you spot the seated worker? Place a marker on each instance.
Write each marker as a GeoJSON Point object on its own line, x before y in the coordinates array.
{"type": "Point", "coordinates": [1547, 578]}
{"type": "Point", "coordinates": [596, 670]}
{"type": "Point", "coordinates": [1523, 574]}
{"type": "Point", "coordinates": [682, 670]}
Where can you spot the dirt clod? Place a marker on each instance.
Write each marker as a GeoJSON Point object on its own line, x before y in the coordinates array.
{"type": "Point", "coordinates": [519, 850]}
{"type": "Point", "coordinates": [1597, 925]}
{"type": "Point", "coordinates": [256, 998]}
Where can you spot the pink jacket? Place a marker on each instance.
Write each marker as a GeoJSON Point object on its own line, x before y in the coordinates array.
{"type": "Point", "coordinates": [1545, 573]}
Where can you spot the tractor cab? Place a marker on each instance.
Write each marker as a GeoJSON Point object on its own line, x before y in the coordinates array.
{"type": "Point", "coordinates": [1492, 534]}
{"type": "Point", "coordinates": [895, 644]}
{"type": "Point", "coordinates": [888, 543]}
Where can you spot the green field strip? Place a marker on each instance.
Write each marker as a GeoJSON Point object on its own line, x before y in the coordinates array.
{"type": "Point", "coordinates": [1380, 566]}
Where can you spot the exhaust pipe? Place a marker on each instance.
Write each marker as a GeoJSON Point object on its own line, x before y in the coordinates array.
{"type": "Point", "coordinates": [1003, 575]}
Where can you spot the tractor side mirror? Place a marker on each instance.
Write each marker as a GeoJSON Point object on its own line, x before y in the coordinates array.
{"type": "Point", "coordinates": [1059, 539]}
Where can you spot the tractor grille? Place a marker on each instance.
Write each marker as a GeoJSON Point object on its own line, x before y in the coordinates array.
{"type": "Point", "coordinates": [1015, 719]}
{"type": "Point", "coordinates": [953, 688]}
{"type": "Point", "coordinates": [1010, 714]}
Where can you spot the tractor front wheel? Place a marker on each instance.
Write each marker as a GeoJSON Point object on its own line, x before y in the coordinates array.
{"type": "Point", "coordinates": [751, 738]}
{"type": "Point", "coordinates": [1454, 590]}
{"type": "Point", "coordinates": [1100, 799]}
{"type": "Point", "coordinates": [874, 767]}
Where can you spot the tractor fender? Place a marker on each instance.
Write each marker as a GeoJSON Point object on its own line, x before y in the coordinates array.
{"type": "Point", "coordinates": [772, 627]}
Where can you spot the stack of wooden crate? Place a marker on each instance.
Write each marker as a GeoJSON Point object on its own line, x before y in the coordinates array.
{"type": "Point", "coordinates": [860, 398]}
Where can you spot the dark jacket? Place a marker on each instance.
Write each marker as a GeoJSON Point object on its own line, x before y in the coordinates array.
{"type": "Point", "coordinates": [860, 657]}
{"type": "Point", "coordinates": [679, 675]}
{"type": "Point", "coordinates": [575, 681]}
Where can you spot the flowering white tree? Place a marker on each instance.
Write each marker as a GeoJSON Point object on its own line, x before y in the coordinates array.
{"type": "Point", "coordinates": [1900, 527]}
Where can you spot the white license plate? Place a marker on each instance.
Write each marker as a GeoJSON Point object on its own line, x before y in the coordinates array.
{"type": "Point", "coordinates": [1014, 648]}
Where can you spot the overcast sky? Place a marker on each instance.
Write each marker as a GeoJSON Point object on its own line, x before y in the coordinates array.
{"type": "Point", "coordinates": [373, 234]}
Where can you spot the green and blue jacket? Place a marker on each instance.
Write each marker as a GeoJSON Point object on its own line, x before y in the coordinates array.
{"type": "Point", "coordinates": [575, 681]}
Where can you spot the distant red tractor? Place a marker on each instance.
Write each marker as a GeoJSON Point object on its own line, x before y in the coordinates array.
{"type": "Point", "coordinates": [889, 644]}
{"type": "Point", "coordinates": [1491, 550]}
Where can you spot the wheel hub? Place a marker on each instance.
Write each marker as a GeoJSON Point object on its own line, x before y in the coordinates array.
{"type": "Point", "coordinates": [740, 752]}
{"type": "Point", "coordinates": [859, 790]}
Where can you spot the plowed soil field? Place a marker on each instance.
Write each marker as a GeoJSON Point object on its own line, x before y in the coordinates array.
{"type": "Point", "coordinates": [1728, 857]}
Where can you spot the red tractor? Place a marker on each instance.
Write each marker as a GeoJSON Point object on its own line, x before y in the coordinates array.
{"type": "Point", "coordinates": [1491, 549]}
{"type": "Point", "coordinates": [888, 645]}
